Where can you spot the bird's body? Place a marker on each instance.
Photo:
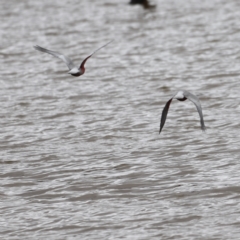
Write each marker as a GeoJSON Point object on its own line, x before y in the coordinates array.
{"type": "Point", "coordinates": [75, 72]}
{"type": "Point", "coordinates": [182, 96]}
{"type": "Point", "coordinates": [73, 69]}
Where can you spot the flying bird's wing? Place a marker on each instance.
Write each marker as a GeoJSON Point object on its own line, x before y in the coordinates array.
{"type": "Point", "coordinates": [67, 60]}
{"type": "Point", "coordinates": [101, 47]}
{"type": "Point", "coordinates": [84, 61]}
{"type": "Point", "coordinates": [164, 114]}
{"type": "Point", "coordinates": [197, 103]}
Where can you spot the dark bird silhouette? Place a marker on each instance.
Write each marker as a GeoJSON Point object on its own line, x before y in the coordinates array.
{"type": "Point", "coordinates": [182, 96]}
{"type": "Point", "coordinates": [144, 3]}
{"type": "Point", "coordinates": [73, 69]}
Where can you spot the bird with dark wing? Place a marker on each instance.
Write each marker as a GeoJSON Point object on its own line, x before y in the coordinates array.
{"type": "Point", "coordinates": [182, 96]}
{"type": "Point", "coordinates": [73, 69]}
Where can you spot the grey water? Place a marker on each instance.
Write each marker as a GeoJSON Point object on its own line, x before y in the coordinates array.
{"type": "Point", "coordinates": [81, 158]}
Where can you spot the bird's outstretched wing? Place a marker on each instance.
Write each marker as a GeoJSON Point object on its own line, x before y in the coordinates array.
{"type": "Point", "coordinates": [164, 114]}
{"type": "Point", "coordinates": [84, 61]}
{"type": "Point", "coordinates": [67, 60]}
{"type": "Point", "coordinates": [197, 103]}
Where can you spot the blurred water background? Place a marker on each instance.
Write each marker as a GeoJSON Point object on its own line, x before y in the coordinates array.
{"type": "Point", "coordinates": [81, 158]}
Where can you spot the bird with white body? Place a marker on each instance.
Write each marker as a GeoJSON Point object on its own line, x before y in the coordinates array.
{"type": "Point", "coordinates": [182, 96]}
{"type": "Point", "coordinates": [73, 69]}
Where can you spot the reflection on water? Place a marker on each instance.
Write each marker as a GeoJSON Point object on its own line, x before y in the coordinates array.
{"type": "Point", "coordinates": [83, 157]}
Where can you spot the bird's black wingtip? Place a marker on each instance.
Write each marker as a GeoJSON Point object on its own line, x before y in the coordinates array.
{"type": "Point", "coordinates": [160, 130]}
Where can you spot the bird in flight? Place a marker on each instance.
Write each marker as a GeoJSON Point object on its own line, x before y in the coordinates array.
{"type": "Point", "coordinates": [73, 69]}
{"type": "Point", "coordinates": [182, 96]}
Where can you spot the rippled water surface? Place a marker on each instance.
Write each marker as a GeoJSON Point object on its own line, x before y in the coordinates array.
{"type": "Point", "coordinates": [81, 158]}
